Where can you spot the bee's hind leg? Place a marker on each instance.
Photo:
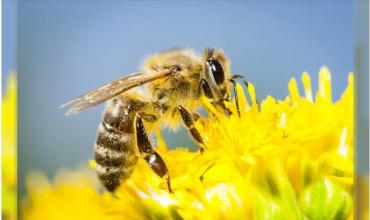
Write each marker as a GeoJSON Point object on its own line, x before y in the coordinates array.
{"type": "Point", "coordinates": [154, 160]}
{"type": "Point", "coordinates": [195, 116]}
{"type": "Point", "coordinates": [189, 122]}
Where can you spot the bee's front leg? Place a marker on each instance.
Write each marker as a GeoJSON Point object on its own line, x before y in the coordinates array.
{"type": "Point", "coordinates": [207, 91]}
{"type": "Point", "coordinates": [154, 160]}
{"type": "Point", "coordinates": [189, 122]}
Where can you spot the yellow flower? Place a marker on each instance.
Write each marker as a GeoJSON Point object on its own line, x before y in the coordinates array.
{"type": "Point", "coordinates": [9, 149]}
{"type": "Point", "coordinates": [282, 159]}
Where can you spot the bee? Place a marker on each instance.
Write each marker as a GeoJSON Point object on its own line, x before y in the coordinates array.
{"type": "Point", "coordinates": [174, 82]}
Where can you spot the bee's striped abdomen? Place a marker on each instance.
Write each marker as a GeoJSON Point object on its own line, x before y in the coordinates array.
{"type": "Point", "coordinates": [115, 152]}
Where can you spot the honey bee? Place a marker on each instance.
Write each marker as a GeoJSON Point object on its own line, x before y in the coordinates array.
{"type": "Point", "coordinates": [174, 82]}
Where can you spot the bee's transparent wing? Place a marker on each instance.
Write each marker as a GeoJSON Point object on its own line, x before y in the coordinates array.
{"type": "Point", "coordinates": [112, 89]}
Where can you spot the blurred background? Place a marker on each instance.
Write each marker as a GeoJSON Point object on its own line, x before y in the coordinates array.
{"type": "Point", "coordinates": [66, 48]}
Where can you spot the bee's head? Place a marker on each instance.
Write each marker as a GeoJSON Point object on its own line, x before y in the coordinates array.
{"type": "Point", "coordinates": [216, 75]}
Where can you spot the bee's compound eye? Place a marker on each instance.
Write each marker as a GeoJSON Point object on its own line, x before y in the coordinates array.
{"type": "Point", "coordinates": [217, 71]}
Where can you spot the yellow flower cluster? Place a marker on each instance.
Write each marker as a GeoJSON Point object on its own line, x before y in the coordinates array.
{"type": "Point", "coordinates": [9, 150]}
{"type": "Point", "coordinates": [281, 159]}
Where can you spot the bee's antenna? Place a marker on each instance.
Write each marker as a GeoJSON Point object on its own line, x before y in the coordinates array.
{"type": "Point", "coordinates": [242, 77]}
{"type": "Point", "coordinates": [236, 96]}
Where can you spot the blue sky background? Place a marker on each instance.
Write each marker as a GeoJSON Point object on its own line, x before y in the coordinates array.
{"type": "Point", "coordinates": [66, 48]}
{"type": "Point", "coordinates": [9, 38]}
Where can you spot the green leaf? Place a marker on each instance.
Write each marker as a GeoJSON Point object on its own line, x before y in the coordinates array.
{"type": "Point", "coordinates": [326, 200]}
{"type": "Point", "coordinates": [266, 208]}
{"type": "Point", "coordinates": [276, 198]}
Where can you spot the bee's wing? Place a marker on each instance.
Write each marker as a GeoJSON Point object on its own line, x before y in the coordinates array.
{"type": "Point", "coordinates": [112, 89]}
